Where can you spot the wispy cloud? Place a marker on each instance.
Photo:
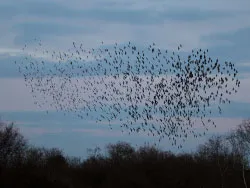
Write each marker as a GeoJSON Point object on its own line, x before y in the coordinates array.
{"type": "Point", "coordinates": [162, 22]}
{"type": "Point", "coordinates": [99, 132]}
{"type": "Point", "coordinates": [34, 131]}
{"type": "Point", "coordinates": [244, 65]}
{"type": "Point", "coordinates": [25, 99]}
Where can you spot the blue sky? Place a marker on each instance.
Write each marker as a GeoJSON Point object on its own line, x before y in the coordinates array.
{"type": "Point", "coordinates": [222, 26]}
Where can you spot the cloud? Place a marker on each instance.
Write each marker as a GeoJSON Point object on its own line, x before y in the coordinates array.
{"type": "Point", "coordinates": [54, 130]}
{"type": "Point", "coordinates": [7, 67]}
{"type": "Point", "coordinates": [99, 132]}
{"type": "Point", "coordinates": [129, 12]}
{"type": "Point", "coordinates": [54, 122]}
{"type": "Point", "coordinates": [233, 45]}
{"type": "Point", "coordinates": [166, 23]}
{"type": "Point", "coordinates": [244, 65]}
{"type": "Point", "coordinates": [243, 91]}
{"type": "Point", "coordinates": [36, 131]}
{"type": "Point", "coordinates": [25, 99]}
{"type": "Point", "coordinates": [16, 96]}
{"type": "Point", "coordinates": [64, 137]}
{"type": "Point", "coordinates": [29, 31]}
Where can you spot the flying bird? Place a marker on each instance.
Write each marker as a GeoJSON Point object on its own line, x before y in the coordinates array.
{"type": "Point", "coordinates": [145, 89]}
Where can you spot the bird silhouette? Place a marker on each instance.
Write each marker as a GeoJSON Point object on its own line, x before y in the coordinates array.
{"type": "Point", "coordinates": [147, 90]}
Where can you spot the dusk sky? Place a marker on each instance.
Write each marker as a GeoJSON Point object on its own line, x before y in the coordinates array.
{"type": "Point", "coordinates": [222, 26]}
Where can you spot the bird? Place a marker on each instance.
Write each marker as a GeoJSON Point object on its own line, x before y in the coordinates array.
{"type": "Point", "coordinates": [132, 85]}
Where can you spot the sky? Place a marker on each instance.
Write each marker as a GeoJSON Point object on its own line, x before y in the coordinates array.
{"type": "Point", "coordinates": [222, 26]}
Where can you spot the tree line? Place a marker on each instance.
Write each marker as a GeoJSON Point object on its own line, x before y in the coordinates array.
{"type": "Point", "coordinates": [222, 161]}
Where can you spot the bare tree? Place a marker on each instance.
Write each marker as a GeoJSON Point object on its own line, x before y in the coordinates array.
{"type": "Point", "coordinates": [120, 151]}
{"type": "Point", "coordinates": [217, 151]}
{"type": "Point", "coordinates": [12, 145]}
{"type": "Point", "coordinates": [240, 142]}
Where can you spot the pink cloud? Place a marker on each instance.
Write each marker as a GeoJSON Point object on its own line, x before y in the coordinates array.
{"type": "Point", "coordinates": [99, 132]}
{"type": "Point", "coordinates": [29, 131]}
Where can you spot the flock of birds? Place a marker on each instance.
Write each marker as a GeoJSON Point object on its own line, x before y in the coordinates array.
{"type": "Point", "coordinates": [145, 89]}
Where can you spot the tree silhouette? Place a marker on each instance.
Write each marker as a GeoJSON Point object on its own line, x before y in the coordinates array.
{"type": "Point", "coordinates": [148, 90]}
{"type": "Point", "coordinates": [240, 141]}
{"type": "Point", "coordinates": [12, 146]}
{"type": "Point", "coordinates": [217, 151]}
{"type": "Point", "coordinates": [212, 165]}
